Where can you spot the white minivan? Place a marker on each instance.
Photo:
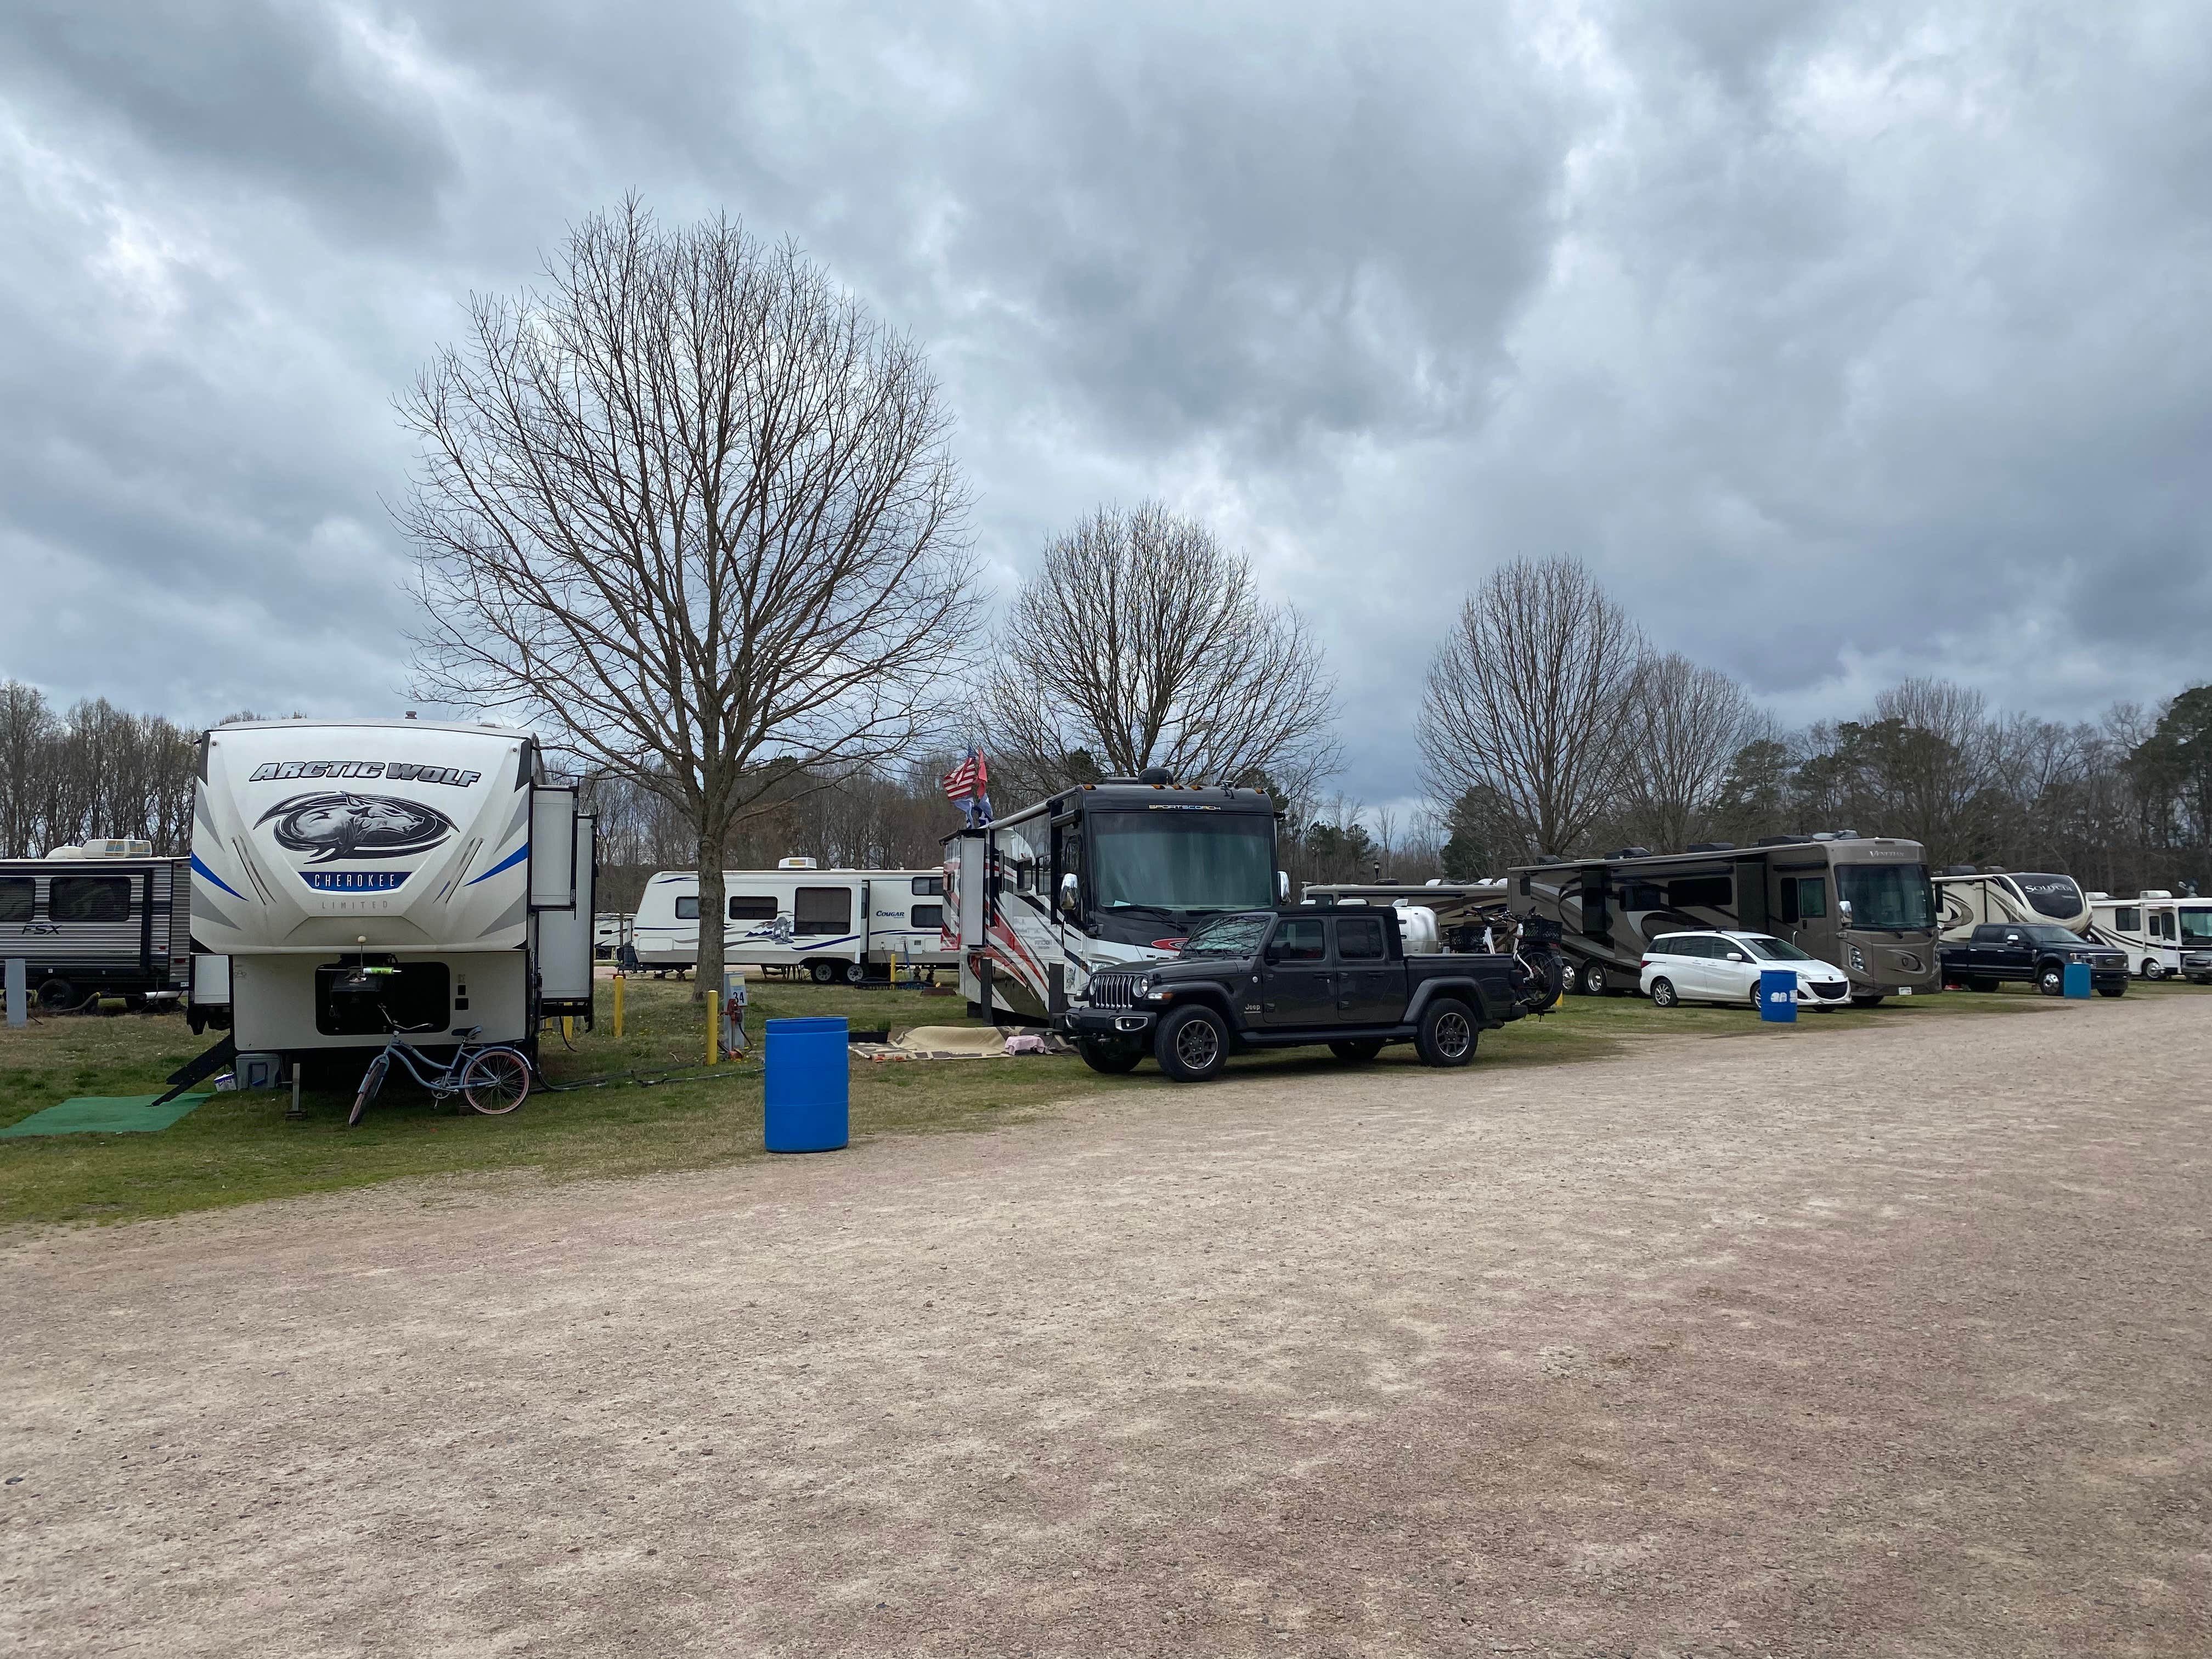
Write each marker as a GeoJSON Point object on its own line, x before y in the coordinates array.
{"type": "Point", "coordinates": [1724, 967]}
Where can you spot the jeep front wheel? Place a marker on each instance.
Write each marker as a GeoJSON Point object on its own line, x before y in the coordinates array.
{"type": "Point", "coordinates": [1191, 1045]}
{"type": "Point", "coordinates": [1109, 1054]}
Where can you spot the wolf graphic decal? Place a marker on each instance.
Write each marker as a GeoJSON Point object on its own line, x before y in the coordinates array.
{"type": "Point", "coordinates": [339, 824]}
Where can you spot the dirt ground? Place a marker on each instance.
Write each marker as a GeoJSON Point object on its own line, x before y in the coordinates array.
{"type": "Point", "coordinates": [1878, 1342]}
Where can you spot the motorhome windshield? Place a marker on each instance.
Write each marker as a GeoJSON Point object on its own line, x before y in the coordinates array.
{"type": "Point", "coordinates": [1182, 859]}
{"type": "Point", "coordinates": [2197, 926]}
{"type": "Point", "coordinates": [1891, 896]}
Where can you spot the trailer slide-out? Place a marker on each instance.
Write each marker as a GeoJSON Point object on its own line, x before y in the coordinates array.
{"type": "Point", "coordinates": [1864, 902]}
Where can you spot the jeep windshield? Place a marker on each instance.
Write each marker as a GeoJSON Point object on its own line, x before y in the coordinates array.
{"type": "Point", "coordinates": [1891, 897]}
{"type": "Point", "coordinates": [1182, 858]}
{"type": "Point", "coordinates": [1228, 936]}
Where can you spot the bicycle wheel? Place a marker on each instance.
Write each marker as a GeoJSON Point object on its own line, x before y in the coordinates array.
{"type": "Point", "coordinates": [371, 1081]}
{"type": "Point", "coordinates": [495, 1081]}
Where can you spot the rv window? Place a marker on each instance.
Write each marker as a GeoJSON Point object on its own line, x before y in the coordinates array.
{"type": "Point", "coordinates": [687, 907]}
{"type": "Point", "coordinates": [17, 894]}
{"type": "Point", "coordinates": [1804, 898]}
{"type": "Point", "coordinates": [1300, 941]}
{"type": "Point", "coordinates": [929, 887]}
{"type": "Point", "coordinates": [1701, 892]}
{"type": "Point", "coordinates": [752, 910]}
{"type": "Point", "coordinates": [2161, 924]}
{"type": "Point", "coordinates": [816, 911]}
{"type": "Point", "coordinates": [89, 899]}
{"type": "Point", "coordinates": [1641, 895]}
{"type": "Point", "coordinates": [1359, 939]}
{"type": "Point", "coordinates": [926, 915]}
{"type": "Point", "coordinates": [2127, 919]}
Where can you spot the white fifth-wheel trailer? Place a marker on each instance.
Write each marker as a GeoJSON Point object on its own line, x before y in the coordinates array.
{"type": "Point", "coordinates": [837, 926]}
{"type": "Point", "coordinates": [443, 856]}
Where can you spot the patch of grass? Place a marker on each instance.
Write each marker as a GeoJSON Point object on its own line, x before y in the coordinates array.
{"type": "Point", "coordinates": [238, 1148]}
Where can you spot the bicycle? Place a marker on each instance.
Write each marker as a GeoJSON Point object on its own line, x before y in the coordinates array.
{"type": "Point", "coordinates": [494, 1078]}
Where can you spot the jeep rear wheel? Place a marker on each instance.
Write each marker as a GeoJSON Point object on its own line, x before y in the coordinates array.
{"type": "Point", "coordinates": [1447, 1033]}
{"type": "Point", "coordinates": [1192, 1045]}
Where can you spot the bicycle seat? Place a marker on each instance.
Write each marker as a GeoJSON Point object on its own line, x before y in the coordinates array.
{"type": "Point", "coordinates": [464, 1032]}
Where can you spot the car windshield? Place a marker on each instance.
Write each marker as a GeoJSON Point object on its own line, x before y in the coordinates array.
{"type": "Point", "coordinates": [1182, 858]}
{"type": "Point", "coordinates": [1775, 949]}
{"type": "Point", "coordinates": [2197, 926]}
{"type": "Point", "coordinates": [2049, 934]}
{"type": "Point", "coordinates": [1227, 936]}
{"type": "Point", "coordinates": [1892, 897]}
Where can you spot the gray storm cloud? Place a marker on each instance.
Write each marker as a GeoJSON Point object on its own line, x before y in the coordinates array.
{"type": "Point", "coordinates": [1844, 343]}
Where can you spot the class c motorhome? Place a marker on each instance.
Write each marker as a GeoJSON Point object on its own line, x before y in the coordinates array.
{"type": "Point", "coordinates": [1861, 902]}
{"type": "Point", "coordinates": [444, 856]}
{"type": "Point", "coordinates": [835, 925]}
{"type": "Point", "coordinates": [2164, 935]}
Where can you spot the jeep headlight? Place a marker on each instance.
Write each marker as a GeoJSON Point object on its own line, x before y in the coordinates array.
{"type": "Point", "coordinates": [1142, 988]}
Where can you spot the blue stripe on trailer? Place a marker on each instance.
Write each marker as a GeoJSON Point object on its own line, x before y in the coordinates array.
{"type": "Point", "coordinates": [201, 869]}
{"type": "Point", "coordinates": [507, 863]}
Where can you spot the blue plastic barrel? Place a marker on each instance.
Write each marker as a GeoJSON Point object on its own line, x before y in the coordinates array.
{"type": "Point", "coordinates": [1777, 995]}
{"type": "Point", "coordinates": [808, 1094]}
{"type": "Point", "coordinates": [2077, 978]}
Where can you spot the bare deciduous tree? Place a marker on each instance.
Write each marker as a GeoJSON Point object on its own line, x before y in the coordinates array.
{"type": "Point", "coordinates": [1525, 696]}
{"type": "Point", "coordinates": [1682, 727]}
{"type": "Point", "coordinates": [690, 509]}
{"type": "Point", "coordinates": [1144, 642]}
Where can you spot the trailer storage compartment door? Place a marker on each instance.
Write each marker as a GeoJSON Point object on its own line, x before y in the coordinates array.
{"type": "Point", "coordinates": [564, 937]}
{"type": "Point", "coordinates": [553, 850]}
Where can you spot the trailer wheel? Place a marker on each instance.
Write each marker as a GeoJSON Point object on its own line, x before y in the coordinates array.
{"type": "Point", "coordinates": [853, 973]}
{"type": "Point", "coordinates": [1446, 1037]}
{"type": "Point", "coordinates": [56, 993]}
{"type": "Point", "coordinates": [1192, 1044]}
{"type": "Point", "coordinates": [822, 973]}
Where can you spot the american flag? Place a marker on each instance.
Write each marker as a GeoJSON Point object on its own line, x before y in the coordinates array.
{"type": "Point", "coordinates": [968, 779]}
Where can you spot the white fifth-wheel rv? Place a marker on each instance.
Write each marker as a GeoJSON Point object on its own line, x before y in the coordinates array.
{"type": "Point", "coordinates": [835, 925]}
{"type": "Point", "coordinates": [2164, 935]}
{"type": "Point", "coordinates": [443, 859]}
{"type": "Point", "coordinates": [1969, 898]}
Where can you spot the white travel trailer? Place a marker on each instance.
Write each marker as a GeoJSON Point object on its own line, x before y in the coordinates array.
{"type": "Point", "coordinates": [2162, 934]}
{"type": "Point", "coordinates": [107, 918]}
{"type": "Point", "coordinates": [442, 854]}
{"type": "Point", "coordinates": [833, 925]}
{"type": "Point", "coordinates": [1969, 898]}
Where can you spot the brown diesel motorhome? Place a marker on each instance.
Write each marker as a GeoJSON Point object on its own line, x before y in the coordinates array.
{"type": "Point", "coordinates": [1863, 903]}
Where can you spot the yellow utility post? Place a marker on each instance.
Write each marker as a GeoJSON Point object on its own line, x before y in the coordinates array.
{"type": "Point", "coordinates": [620, 979]}
{"type": "Point", "coordinates": [714, 1029]}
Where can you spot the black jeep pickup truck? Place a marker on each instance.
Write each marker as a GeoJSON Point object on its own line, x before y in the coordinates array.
{"type": "Point", "coordinates": [2034, 951]}
{"type": "Point", "coordinates": [1278, 979]}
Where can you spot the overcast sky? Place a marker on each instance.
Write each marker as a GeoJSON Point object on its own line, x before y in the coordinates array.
{"type": "Point", "coordinates": [1845, 341]}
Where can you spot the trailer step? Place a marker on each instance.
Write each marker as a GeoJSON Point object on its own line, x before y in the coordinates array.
{"type": "Point", "coordinates": [193, 1070]}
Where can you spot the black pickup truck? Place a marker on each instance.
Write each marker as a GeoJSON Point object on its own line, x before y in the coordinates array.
{"type": "Point", "coordinates": [1279, 979]}
{"type": "Point", "coordinates": [2035, 952]}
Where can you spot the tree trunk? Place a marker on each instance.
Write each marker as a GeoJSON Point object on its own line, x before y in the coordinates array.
{"type": "Point", "coordinates": [713, 927]}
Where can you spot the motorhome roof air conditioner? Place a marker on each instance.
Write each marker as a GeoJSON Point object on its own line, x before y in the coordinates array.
{"type": "Point", "coordinates": [110, 849]}
{"type": "Point", "coordinates": [2155, 892]}
{"type": "Point", "coordinates": [796, 864]}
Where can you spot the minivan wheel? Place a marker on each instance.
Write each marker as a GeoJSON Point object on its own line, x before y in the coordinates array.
{"type": "Point", "coordinates": [1447, 1033]}
{"type": "Point", "coordinates": [1662, 993]}
{"type": "Point", "coordinates": [1191, 1045]}
{"type": "Point", "coordinates": [822, 973]}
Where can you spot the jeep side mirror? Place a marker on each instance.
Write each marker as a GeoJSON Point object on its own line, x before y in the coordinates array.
{"type": "Point", "coordinates": [1274, 952]}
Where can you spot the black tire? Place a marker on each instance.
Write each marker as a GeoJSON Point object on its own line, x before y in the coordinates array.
{"type": "Point", "coordinates": [371, 1081]}
{"type": "Point", "coordinates": [1984, 985]}
{"type": "Point", "coordinates": [1663, 994]}
{"type": "Point", "coordinates": [1109, 1055]}
{"type": "Point", "coordinates": [1597, 980]}
{"type": "Point", "coordinates": [2153, 970]}
{"type": "Point", "coordinates": [58, 993]}
{"type": "Point", "coordinates": [1357, 1049]}
{"type": "Point", "coordinates": [2119, 990]}
{"type": "Point", "coordinates": [822, 973]}
{"type": "Point", "coordinates": [1570, 977]}
{"type": "Point", "coordinates": [1870, 1000]}
{"type": "Point", "coordinates": [1191, 1045]}
{"type": "Point", "coordinates": [2050, 979]}
{"type": "Point", "coordinates": [495, 1082]}
{"type": "Point", "coordinates": [1447, 1033]}
{"type": "Point", "coordinates": [853, 973]}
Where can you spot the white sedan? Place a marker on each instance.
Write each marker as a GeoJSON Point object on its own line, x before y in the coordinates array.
{"type": "Point", "coordinates": [1724, 967]}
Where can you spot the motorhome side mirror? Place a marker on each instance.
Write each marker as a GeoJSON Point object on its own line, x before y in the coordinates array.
{"type": "Point", "coordinates": [1282, 886]}
{"type": "Point", "coordinates": [1067, 884]}
{"type": "Point", "coordinates": [1843, 909]}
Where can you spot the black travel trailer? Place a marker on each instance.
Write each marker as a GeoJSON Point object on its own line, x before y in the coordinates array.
{"type": "Point", "coordinates": [1864, 902]}
{"type": "Point", "coordinates": [102, 925]}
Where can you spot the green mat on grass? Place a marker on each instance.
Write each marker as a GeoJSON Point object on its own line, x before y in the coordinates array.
{"type": "Point", "coordinates": [104, 1115]}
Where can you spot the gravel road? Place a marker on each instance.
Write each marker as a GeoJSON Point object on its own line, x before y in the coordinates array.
{"type": "Point", "coordinates": [1802, 1342]}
